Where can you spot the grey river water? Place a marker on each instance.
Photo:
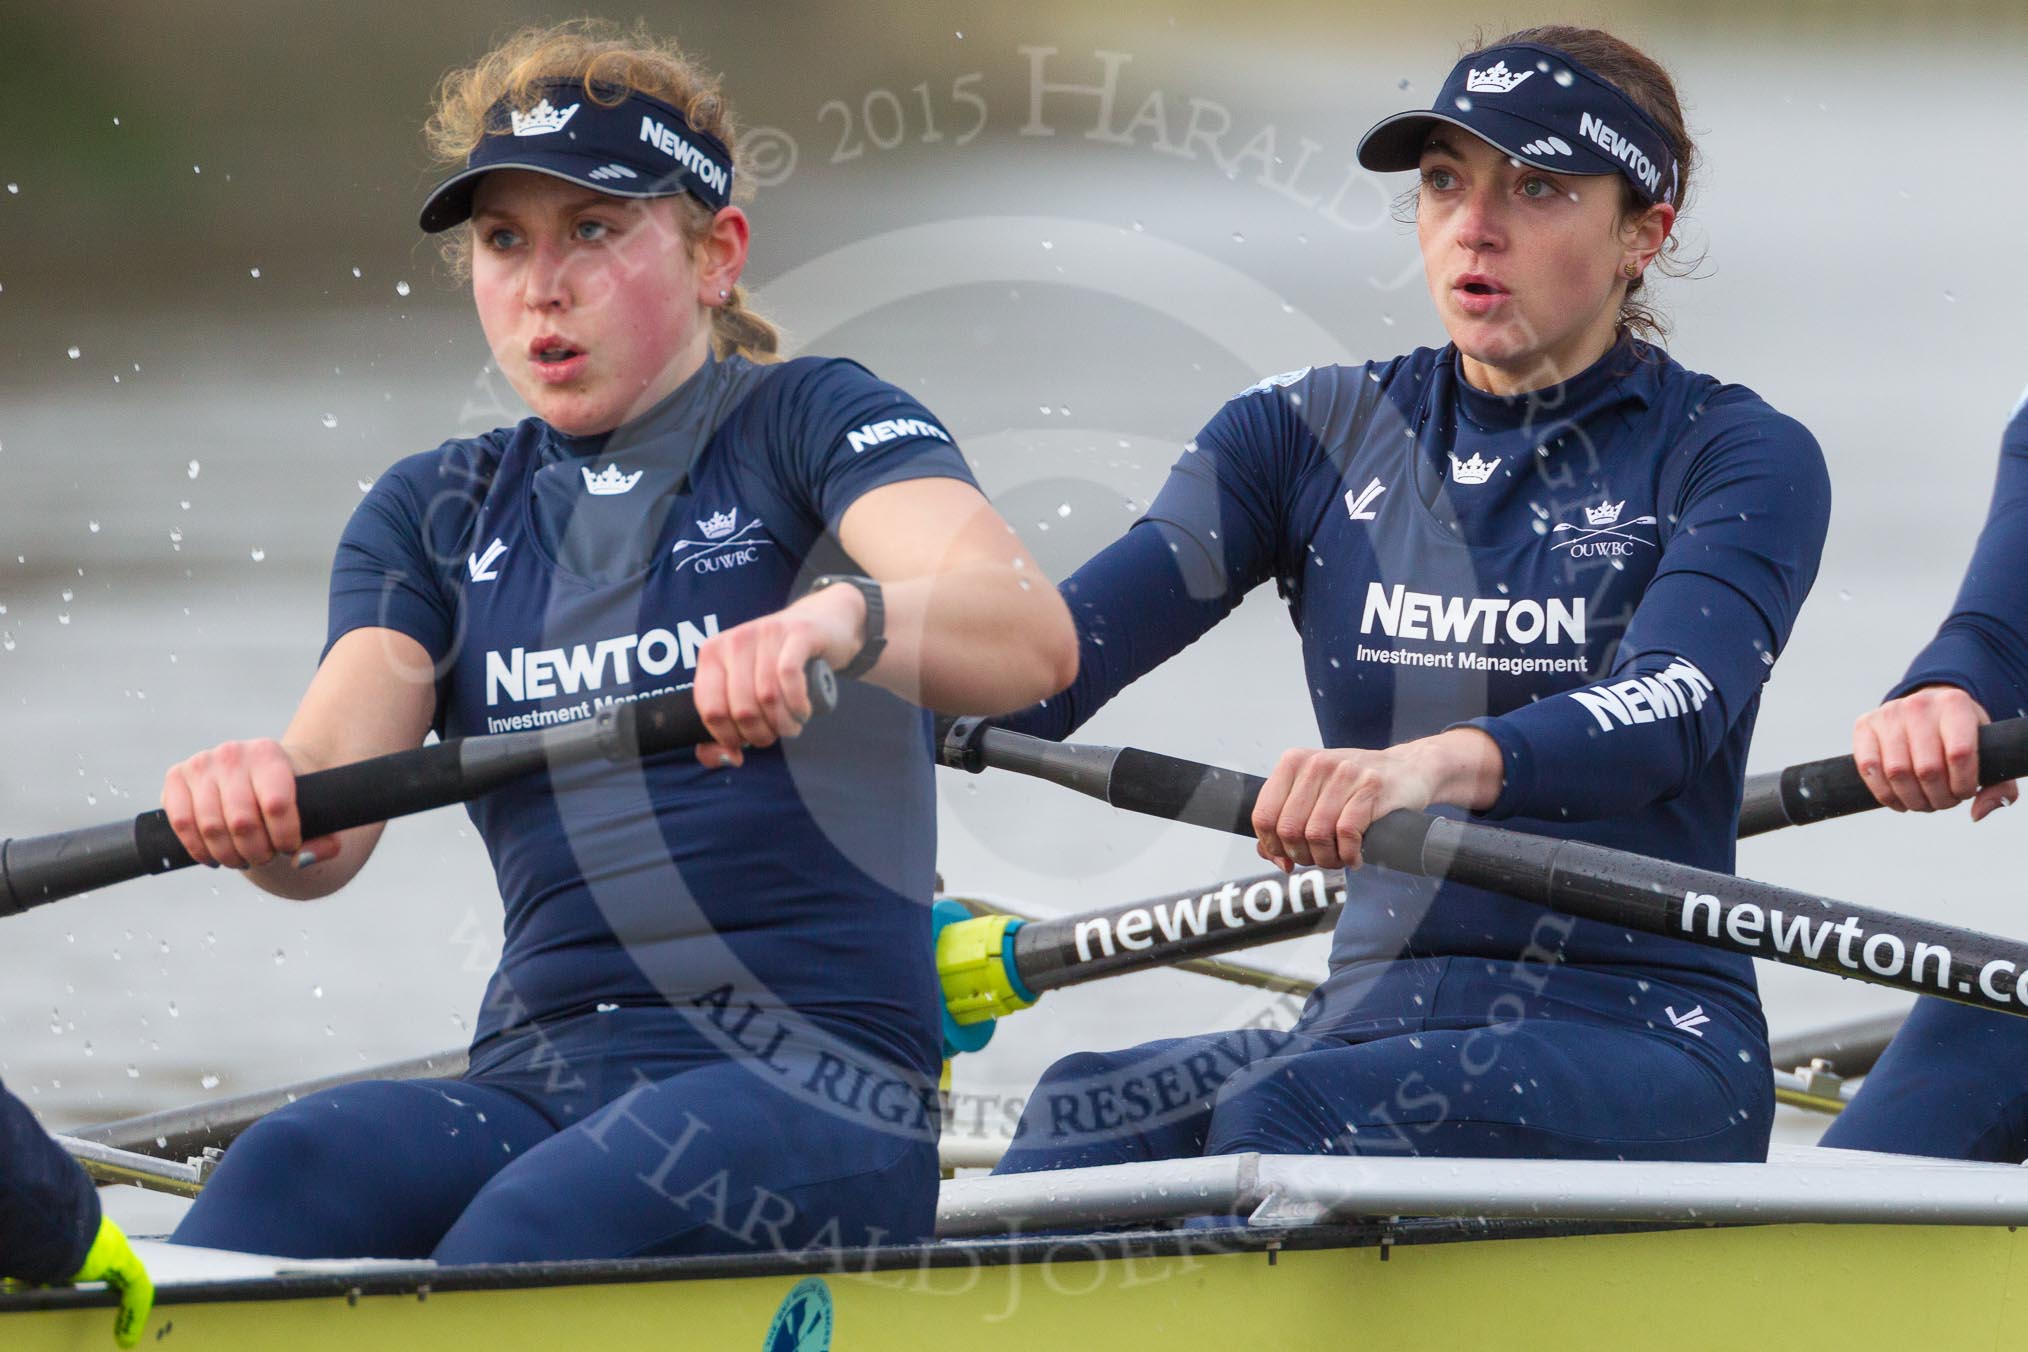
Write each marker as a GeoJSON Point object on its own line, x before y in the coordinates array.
{"type": "Point", "coordinates": [172, 478]}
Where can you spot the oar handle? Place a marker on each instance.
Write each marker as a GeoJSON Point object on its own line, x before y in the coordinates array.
{"type": "Point", "coordinates": [1819, 790]}
{"type": "Point", "coordinates": [41, 869]}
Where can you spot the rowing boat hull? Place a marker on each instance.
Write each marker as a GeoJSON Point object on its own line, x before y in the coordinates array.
{"type": "Point", "coordinates": [1410, 1284]}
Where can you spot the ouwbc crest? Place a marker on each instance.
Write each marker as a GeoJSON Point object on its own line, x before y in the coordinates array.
{"type": "Point", "coordinates": [542, 119]}
{"type": "Point", "coordinates": [609, 481]}
{"type": "Point", "coordinates": [1495, 79]}
{"type": "Point", "coordinates": [1474, 470]}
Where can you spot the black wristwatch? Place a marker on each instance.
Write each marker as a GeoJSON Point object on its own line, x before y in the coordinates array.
{"type": "Point", "coordinates": [876, 621]}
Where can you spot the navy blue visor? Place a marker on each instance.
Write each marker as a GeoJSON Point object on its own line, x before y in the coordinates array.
{"type": "Point", "coordinates": [1543, 109]}
{"type": "Point", "coordinates": [631, 145]}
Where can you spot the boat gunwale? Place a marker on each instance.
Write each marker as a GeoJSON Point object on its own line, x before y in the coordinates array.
{"type": "Point", "coordinates": [423, 1280]}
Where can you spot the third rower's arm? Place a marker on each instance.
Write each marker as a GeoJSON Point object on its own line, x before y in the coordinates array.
{"type": "Point", "coordinates": [1919, 750]}
{"type": "Point", "coordinates": [235, 805]}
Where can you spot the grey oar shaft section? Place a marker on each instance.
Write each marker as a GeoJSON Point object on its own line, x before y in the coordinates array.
{"type": "Point", "coordinates": [41, 869]}
{"type": "Point", "coordinates": [1697, 906]}
{"type": "Point", "coordinates": [1819, 790]}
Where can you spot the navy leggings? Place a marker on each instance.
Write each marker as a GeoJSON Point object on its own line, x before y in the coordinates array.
{"type": "Point", "coordinates": [1434, 1057]}
{"type": "Point", "coordinates": [1953, 1083]}
{"type": "Point", "coordinates": [508, 1166]}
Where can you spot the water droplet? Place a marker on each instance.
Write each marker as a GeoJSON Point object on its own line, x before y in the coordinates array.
{"type": "Point", "coordinates": [259, 553]}
{"type": "Point", "coordinates": [133, 1071]}
{"type": "Point", "coordinates": [1139, 228]}
{"type": "Point", "coordinates": [365, 485]}
{"type": "Point", "coordinates": [355, 272]}
{"type": "Point", "coordinates": [401, 288]}
{"type": "Point", "coordinates": [1463, 103]}
{"type": "Point", "coordinates": [174, 1013]}
{"type": "Point", "coordinates": [606, 1007]}
{"type": "Point", "coordinates": [193, 469]}
{"type": "Point", "coordinates": [1048, 244]}
{"type": "Point", "coordinates": [68, 594]}
{"type": "Point", "coordinates": [1562, 77]}
{"type": "Point", "coordinates": [1238, 238]}
{"type": "Point", "coordinates": [208, 1082]}
{"type": "Point", "coordinates": [1063, 509]}
{"type": "Point", "coordinates": [280, 957]}
{"type": "Point", "coordinates": [63, 617]}
{"type": "Point", "coordinates": [316, 992]}
{"type": "Point", "coordinates": [7, 640]}
{"type": "Point", "coordinates": [14, 188]}
{"type": "Point", "coordinates": [75, 352]}
{"type": "Point", "coordinates": [330, 420]}
{"type": "Point", "coordinates": [254, 273]}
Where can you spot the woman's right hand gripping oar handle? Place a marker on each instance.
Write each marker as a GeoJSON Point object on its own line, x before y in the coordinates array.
{"type": "Point", "coordinates": [1922, 765]}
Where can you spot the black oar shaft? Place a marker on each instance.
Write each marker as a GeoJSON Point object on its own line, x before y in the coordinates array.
{"type": "Point", "coordinates": [1697, 906]}
{"type": "Point", "coordinates": [1819, 790]}
{"type": "Point", "coordinates": [42, 869]}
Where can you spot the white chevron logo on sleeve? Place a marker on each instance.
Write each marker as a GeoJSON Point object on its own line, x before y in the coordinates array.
{"type": "Point", "coordinates": [1690, 1022]}
{"type": "Point", "coordinates": [485, 567]}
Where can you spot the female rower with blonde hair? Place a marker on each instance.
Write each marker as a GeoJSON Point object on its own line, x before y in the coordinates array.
{"type": "Point", "coordinates": [714, 1025]}
{"type": "Point", "coordinates": [1540, 575]}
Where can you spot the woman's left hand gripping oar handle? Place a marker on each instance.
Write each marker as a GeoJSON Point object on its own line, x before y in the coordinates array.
{"type": "Point", "coordinates": [40, 869]}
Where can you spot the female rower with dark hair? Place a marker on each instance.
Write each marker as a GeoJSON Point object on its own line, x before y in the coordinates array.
{"type": "Point", "coordinates": [1540, 575]}
{"type": "Point", "coordinates": [1954, 1082]}
{"type": "Point", "coordinates": [715, 1022]}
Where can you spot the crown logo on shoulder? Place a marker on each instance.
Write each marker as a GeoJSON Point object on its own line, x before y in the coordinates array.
{"type": "Point", "coordinates": [1497, 80]}
{"type": "Point", "coordinates": [1605, 514]}
{"type": "Point", "coordinates": [609, 481]}
{"type": "Point", "coordinates": [542, 119]}
{"type": "Point", "coordinates": [1473, 471]}
{"type": "Point", "coordinates": [719, 524]}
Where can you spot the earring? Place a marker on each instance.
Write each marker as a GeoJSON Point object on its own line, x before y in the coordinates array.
{"type": "Point", "coordinates": [1632, 271]}
{"type": "Point", "coordinates": [725, 295]}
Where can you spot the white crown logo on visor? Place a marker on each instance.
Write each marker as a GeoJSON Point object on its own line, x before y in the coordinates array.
{"type": "Point", "coordinates": [1605, 514]}
{"type": "Point", "coordinates": [1497, 80]}
{"type": "Point", "coordinates": [609, 481]}
{"type": "Point", "coordinates": [541, 120]}
{"type": "Point", "coordinates": [1473, 471]}
{"type": "Point", "coordinates": [719, 524]}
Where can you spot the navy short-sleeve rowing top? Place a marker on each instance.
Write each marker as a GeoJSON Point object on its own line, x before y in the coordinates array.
{"type": "Point", "coordinates": [1599, 575]}
{"type": "Point", "coordinates": [548, 575]}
